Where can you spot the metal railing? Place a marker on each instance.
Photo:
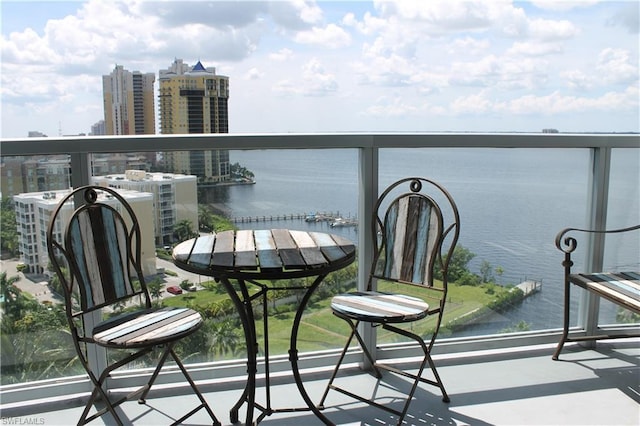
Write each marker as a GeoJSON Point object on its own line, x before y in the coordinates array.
{"type": "Point", "coordinates": [368, 145]}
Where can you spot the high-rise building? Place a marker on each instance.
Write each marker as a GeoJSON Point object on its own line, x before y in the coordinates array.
{"type": "Point", "coordinates": [98, 129]}
{"type": "Point", "coordinates": [128, 102]}
{"type": "Point", "coordinates": [194, 100]}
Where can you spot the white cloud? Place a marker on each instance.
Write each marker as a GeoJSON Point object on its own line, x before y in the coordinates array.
{"type": "Point", "coordinates": [614, 65]}
{"type": "Point", "coordinates": [472, 104]}
{"type": "Point", "coordinates": [409, 58]}
{"type": "Point", "coordinates": [556, 103]}
{"type": "Point", "coordinates": [392, 107]}
{"type": "Point", "coordinates": [552, 30]}
{"type": "Point", "coordinates": [281, 55]}
{"type": "Point", "coordinates": [535, 48]}
{"type": "Point", "coordinates": [578, 80]}
{"type": "Point", "coordinates": [469, 46]}
{"type": "Point", "coordinates": [561, 5]}
{"type": "Point", "coordinates": [331, 36]}
{"type": "Point", "coordinates": [253, 74]}
{"type": "Point", "coordinates": [315, 81]}
{"type": "Point", "coordinates": [500, 73]}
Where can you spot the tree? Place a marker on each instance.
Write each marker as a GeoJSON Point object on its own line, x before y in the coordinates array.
{"type": "Point", "coordinates": [35, 337]}
{"type": "Point", "coordinates": [224, 337]}
{"type": "Point", "coordinates": [15, 303]}
{"type": "Point", "coordinates": [8, 228]}
{"type": "Point", "coordinates": [486, 272]}
{"type": "Point", "coordinates": [155, 288]}
{"type": "Point", "coordinates": [458, 266]}
{"type": "Point", "coordinates": [210, 222]}
{"type": "Point", "coordinates": [183, 230]}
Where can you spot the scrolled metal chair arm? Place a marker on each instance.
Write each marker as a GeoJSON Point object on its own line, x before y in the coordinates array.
{"type": "Point", "coordinates": [569, 244]}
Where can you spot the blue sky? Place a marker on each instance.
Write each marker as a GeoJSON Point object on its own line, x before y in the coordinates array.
{"type": "Point", "coordinates": [342, 66]}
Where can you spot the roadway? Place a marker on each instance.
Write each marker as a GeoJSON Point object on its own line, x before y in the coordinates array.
{"type": "Point", "coordinates": [36, 285]}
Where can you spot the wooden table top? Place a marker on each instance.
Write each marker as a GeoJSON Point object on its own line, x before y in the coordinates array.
{"type": "Point", "coordinates": [264, 254]}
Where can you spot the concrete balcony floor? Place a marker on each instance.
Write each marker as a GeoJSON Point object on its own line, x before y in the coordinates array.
{"type": "Point", "coordinates": [521, 386]}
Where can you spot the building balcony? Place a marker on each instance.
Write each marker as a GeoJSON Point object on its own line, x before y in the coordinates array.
{"type": "Point", "coordinates": [504, 376]}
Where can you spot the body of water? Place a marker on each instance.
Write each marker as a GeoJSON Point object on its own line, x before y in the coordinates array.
{"type": "Point", "coordinates": [512, 203]}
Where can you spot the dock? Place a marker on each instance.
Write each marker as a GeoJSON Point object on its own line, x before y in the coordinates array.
{"type": "Point", "coordinates": [268, 218]}
{"type": "Point", "coordinates": [334, 219]}
{"type": "Point", "coordinates": [530, 287]}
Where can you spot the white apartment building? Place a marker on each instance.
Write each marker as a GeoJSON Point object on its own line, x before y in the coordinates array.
{"type": "Point", "coordinates": [34, 209]}
{"type": "Point", "coordinates": [175, 198]}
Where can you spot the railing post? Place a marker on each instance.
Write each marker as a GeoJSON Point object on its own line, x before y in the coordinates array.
{"type": "Point", "coordinates": [597, 204]}
{"type": "Point", "coordinates": [80, 169]}
{"type": "Point", "coordinates": [368, 194]}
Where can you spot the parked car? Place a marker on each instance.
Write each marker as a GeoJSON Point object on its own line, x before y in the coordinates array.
{"type": "Point", "coordinates": [174, 289]}
{"type": "Point", "coordinates": [191, 287]}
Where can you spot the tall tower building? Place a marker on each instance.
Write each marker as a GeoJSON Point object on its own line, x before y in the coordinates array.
{"type": "Point", "coordinates": [128, 102]}
{"type": "Point", "coordinates": [194, 100]}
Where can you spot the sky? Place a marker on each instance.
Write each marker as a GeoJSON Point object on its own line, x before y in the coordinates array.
{"type": "Point", "coordinates": [335, 66]}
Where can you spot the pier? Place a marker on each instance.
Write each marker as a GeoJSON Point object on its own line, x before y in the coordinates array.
{"type": "Point", "coordinates": [530, 287]}
{"type": "Point", "coordinates": [307, 217]}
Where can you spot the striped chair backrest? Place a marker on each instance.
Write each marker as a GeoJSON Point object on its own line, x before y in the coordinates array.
{"type": "Point", "coordinates": [99, 248]}
{"type": "Point", "coordinates": [411, 235]}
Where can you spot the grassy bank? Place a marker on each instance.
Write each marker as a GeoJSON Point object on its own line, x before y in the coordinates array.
{"type": "Point", "coordinates": [321, 330]}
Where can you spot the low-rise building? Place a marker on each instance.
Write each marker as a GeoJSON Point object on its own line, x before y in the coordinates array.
{"type": "Point", "coordinates": [34, 209]}
{"type": "Point", "coordinates": [175, 198]}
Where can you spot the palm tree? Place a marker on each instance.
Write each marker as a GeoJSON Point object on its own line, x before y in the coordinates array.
{"type": "Point", "coordinates": [224, 337]}
{"type": "Point", "coordinates": [11, 296]}
{"type": "Point", "coordinates": [183, 230]}
{"type": "Point", "coordinates": [155, 288]}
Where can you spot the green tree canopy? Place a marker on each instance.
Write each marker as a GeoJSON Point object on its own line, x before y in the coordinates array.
{"type": "Point", "coordinates": [8, 228]}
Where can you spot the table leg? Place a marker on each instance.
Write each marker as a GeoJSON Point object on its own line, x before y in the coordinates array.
{"type": "Point", "coordinates": [245, 310]}
{"type": "Point", "coordinates": [293, 351]}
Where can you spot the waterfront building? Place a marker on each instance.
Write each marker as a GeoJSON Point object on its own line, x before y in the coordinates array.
{"type": "Point", "coordinates": [174, 198]}
{"type": "Point", "coordinates": [52, 173]}
{"type": "Point", "coordinates": [128, 102]}
{"type": "Point", "coordinates": [34, 209]}
{"type": "Point", "coordinates": [195, 100]}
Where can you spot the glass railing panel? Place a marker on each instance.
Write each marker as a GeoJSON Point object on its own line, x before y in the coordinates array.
{"type": "Point", "coordinates": [35, 339]}
{"type": "Point", "coordinates": [295, 189]}
{"type": "Point", "coordinates": [512, 203]}
{"type": "Point", "coordinates": [621, 250]}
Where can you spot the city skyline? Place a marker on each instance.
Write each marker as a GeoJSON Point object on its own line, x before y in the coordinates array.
{"type": "Point", "coordinates": [343, 66]}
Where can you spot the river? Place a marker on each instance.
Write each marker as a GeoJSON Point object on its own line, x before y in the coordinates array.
{"type": "Point", "coordinates": [512, 203]}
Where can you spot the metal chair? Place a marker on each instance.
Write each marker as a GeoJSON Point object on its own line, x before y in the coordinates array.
{"type": "Point", "coordinates": [95, 250]}
{"type": "Point", "coordinates": [619, 287]}
{"type": "Point", "coordinates": [416, 226]}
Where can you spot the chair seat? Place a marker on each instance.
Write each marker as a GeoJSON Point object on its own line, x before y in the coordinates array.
{"type": "Point", "coordinates": [373, 306]}
{"type": "Point", "coordinates": [622, 288]}
{"type": "Point", "coordinates": [147, 327]}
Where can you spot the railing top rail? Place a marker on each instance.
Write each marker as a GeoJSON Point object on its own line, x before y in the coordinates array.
{"type": "Point", "coordinates": [140, 143]}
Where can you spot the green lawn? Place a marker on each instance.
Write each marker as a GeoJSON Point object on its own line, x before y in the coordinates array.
{"type": "Point", "coordinates": [320, 330]}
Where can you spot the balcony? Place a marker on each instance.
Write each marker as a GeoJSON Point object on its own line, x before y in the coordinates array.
{"type": "Point", "coordinates": [501, 387]}
{"type": "Point", "coordinates": [503, 378]}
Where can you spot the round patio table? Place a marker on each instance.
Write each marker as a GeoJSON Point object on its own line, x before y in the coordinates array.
{"type": "Point", "coordinates": [260, 257]}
